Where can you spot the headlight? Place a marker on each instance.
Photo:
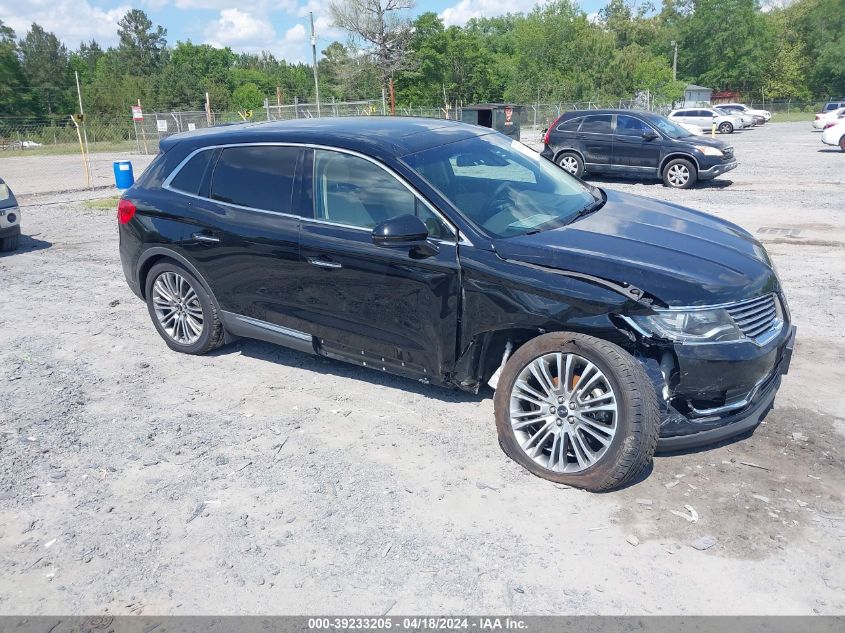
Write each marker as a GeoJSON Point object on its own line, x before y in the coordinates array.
{"type": "Point", "coordinates": [709, 151]}
{"type": "Point", "coordinates": [713, 325]}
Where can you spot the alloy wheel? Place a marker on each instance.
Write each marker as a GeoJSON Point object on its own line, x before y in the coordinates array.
{"type": "Point", "coordinates": [177, 308]}
{"type": "Point", "coordinates": [678, 175]}
{"type": "Point", "coordinates": [563, 412]}
{"type": "Point", "coordinates": [570, 164]}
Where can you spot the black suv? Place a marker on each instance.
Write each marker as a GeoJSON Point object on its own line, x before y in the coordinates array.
{"type": "Point", "coordinates": [453, 255]}
{"type": "Point", "coordinates": [631, 143]}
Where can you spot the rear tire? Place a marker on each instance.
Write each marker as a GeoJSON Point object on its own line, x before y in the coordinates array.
{"type": "Point", "coordinates": [726, 128]}
{"type": "Point", "coordinates": [679, 174]}
{"type": "Point", "coordinates": [9, 243]}
{"type": "Point", "coordinates": [590, 449]}
{"type": "Point", "coordinates": [182, 310]}
{"type": "Point", "coordinates": [572, 163]}
{"type": "Point", "coordinates": [842, 143]}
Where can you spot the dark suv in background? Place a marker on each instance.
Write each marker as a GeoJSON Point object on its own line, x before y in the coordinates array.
{"type": "Point", "coordinates": [638, 144]}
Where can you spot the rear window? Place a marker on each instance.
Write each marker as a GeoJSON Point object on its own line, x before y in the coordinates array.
{"type": "Point", "coordinates": [256, 177]}
{"type": "Point", "coordinates": [571, 125]}
{"type": "Point", "coordinates": [189, 178]}
{"type": "Point", "coordinates": [596, 124]}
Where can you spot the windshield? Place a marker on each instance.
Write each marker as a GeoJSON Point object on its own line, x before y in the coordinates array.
{"type": "Point", "coordinates": [669, 127]}
{"type": "Point", "coordinates": [503, 186]}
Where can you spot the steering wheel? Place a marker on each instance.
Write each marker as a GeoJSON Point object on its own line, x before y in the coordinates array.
{"type": "Point", "coordinates": [493, 210]}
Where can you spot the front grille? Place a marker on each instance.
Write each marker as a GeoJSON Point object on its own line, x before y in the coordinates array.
{"type": "Point", "coordinates": [755, 316]}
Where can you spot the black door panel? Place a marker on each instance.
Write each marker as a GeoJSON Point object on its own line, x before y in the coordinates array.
{"type": "Point", "coordinates": [363, 301]}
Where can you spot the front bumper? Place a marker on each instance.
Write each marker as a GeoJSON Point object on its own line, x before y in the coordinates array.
{"type": "Point", "coordinates": [716, 429]}
{"type": "Point", "coordinates": [716, 170]}
{"type": "Point", "coordinates": [8, 231]}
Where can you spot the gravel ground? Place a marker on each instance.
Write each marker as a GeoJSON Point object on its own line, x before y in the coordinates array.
{"type": "Point", "coordinates": [261, 480]}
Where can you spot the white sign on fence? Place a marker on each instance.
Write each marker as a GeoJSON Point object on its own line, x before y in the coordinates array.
{"type": "Point", "coordinates": [162, 125]}
{"type": "Point", "coordinates": [192, 127]}
{"type": "Point", "coordinates": [137, 113]}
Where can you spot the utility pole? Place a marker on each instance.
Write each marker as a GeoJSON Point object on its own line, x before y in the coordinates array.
{"type": "Point", "coordinates": [314, 56]}
{"type": "Point", "coordinates": [674, 61]}
{"type": "Point", "coordinates": [84, 133]}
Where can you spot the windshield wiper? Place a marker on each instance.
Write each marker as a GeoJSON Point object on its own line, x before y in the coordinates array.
{"type": "Point", "coordinates": [592, 207]}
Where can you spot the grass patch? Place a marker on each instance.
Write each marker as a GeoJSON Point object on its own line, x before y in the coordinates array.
{"type": "Point", "coordinates": [73, 148]}
{"type": "Point", "coordinates": [102, 203]}
{"type": "Point", "coordinates": [786, 117]}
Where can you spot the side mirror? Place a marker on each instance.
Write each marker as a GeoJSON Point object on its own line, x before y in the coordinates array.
{"type": "Point", "coordinates": [405, 231]}
{"type": "Point", "coordinates": [650, 135]}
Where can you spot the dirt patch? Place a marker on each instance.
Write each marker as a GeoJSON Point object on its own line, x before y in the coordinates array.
{"type": "Point", "coordinates": [785, 482]}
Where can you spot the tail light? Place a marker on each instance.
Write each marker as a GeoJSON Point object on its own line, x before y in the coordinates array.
{"type": "Point", "coordinates": [549, 131]}
{"type": "Point", "coordinates": [831, 124]}
{"type": "Point", "coordinates": [125, 211]}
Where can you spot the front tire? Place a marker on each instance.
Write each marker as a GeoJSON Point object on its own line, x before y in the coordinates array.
{"type": "Point", "coordinates": [842, 143]}
{"type": "Point", "coordinates": [182, 310]}
{"type": "Point", "coordinates": [577, 410]}
{"type": "Point", "coordinates": [679, 174]}
{"type": "Point", "coordinates": [572, 163]}
{"type": "Point", "coordinates": [726, 128]}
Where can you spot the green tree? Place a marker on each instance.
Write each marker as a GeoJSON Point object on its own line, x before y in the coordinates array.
{"type": "Point", "coordinates": [247, 97]}
{"type": "Point", "coordinates": [15, 95]}
{"type": "Point", "coordinates": [46, 66]}
{"type": "Point", "coordinates": [142, 48]}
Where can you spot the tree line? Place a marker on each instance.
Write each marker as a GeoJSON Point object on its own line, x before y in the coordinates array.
{"type": "Point", "coordinates": [556, 52]}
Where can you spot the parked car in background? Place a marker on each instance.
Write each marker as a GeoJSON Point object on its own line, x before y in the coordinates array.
{"type": "Point", "coordinates": [10, 219]}
{"type": "Point", "coordinates": [745, 120]}
{"type": "Point", "coordinates": [834, 134]}
{"type": "Point", "coordinates": [632, 143]}
{"type": "Point", "coordinates": [608, 324]}
{"type": "Point", "coordinates": [706, 117]}
{"type": "Point", "coordinates": [759, 116]}
{"type": "Point", "coordinates": [823, 118]}
{"type": "Point", "coordinates": [833, 105]}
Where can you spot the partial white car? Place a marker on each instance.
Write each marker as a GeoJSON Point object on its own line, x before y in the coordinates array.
{"type": "Point", "coordinates": [705, 117]}
{"type": "Point", "coordinates": [835, 134]}
{"type": "Point", "coordinates": [692, 129]}
{"type": "Point", "coordinates": [744, 109]}
{"type": "Point", "coordinates": [823, 118]}
{"type": "Point", "coordinates": [10, 219]}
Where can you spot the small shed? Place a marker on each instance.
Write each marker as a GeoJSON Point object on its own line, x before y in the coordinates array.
{"type": "Point", "coordinates": [502, 117]}
{"type": "Point", "coordinates": [696, 95]}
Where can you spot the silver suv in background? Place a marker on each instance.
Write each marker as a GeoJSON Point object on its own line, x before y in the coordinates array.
{"type": "Point", "coordinates": [10, 219]}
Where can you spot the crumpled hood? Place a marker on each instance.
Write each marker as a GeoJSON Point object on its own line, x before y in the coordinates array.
{"type": "Point", "coordinates": [681, 256]}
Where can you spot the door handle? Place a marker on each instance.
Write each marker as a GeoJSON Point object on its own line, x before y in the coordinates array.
{"type": "Point", "coordinates": [202, 237]}
{"type": "Point", "coordinates": [322, 263]}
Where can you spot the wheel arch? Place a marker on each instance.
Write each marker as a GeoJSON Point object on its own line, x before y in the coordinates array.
{"type": "Point", "coordinates": [485, 352]}
{"type": "Point", "coordinates": [569, 150]}
{"type": "Point", "coordinates": [158, 254]}
{"type": "Point", "coordinates": [673, 156]}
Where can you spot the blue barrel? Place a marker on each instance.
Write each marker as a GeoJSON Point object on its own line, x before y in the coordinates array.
{"type": "Point", "coordinates": [123, 176]}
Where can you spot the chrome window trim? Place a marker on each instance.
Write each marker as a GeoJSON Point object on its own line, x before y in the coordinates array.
{"type": "Point", "coordinates": [279, 329]}
{"type": "Point", "coordinates": [460, 238]}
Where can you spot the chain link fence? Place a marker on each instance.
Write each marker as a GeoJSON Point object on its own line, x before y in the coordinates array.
{"type": "Point", "coordinates": [58, 134]}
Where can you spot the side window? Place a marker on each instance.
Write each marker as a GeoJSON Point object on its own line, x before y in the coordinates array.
{"type": "Point", "coordinates": [706, 113]}
{"type": "Point", "coordinates": [260, 177]}
{"type": "Point", "coordinates": [571, 125]}
{"type": "Point", "coordinates": [352, 190]}
{"type": "Point", "coordinates": [682, 113]}
{"type": "Point", "coordinates": [596, 124]}
{"type": "Point", "coordinates": [190, 177]}
{"type": "Point", "coordinates": [630, 126]}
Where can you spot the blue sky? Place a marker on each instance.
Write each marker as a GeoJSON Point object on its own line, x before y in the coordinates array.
{"type": "Point", "coordinates": [280, 26]}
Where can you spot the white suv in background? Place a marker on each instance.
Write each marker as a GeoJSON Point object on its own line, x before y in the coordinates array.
{"type": "Point", "coordinates": [705, 117]}
{"type": "Point", "coordinates": [756, 115]}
